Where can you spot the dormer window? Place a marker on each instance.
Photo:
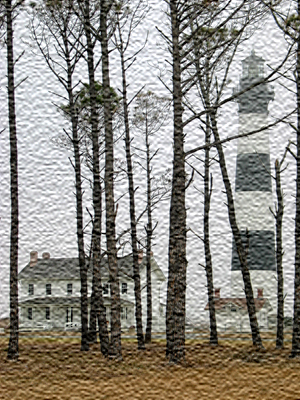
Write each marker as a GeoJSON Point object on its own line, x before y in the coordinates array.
{"type": "Point", "coordinates": [48, 289]}
{"type": "Point", "coordinates": [69, 288]}
{"type": "Point", "coordinates": [233, 309]}
{"type": "Point", "coordinates": [30, 289]}
{"type": "Point", "coordinates": [124, 288]}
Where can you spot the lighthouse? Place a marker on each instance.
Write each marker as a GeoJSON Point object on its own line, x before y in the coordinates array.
{"type": "Point", "coordinates": [253, 187]}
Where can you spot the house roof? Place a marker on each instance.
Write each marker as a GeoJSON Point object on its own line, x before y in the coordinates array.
{"type": "Point", "coordinates": [65, 301]}
{"type": "Point", "coordinates": [68, 268]}
{"type": "Point", "coordinates": [240, 302]}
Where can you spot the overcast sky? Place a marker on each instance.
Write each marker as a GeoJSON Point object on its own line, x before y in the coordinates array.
{"type": "Point", "coordinates": [46, 178]}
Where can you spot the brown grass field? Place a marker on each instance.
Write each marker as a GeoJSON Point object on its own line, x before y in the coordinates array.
{"type": "Point", "coordinates": [51, 369]}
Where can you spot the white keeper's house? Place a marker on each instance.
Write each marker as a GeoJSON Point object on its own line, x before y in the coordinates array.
{"type": "Point", "coordinates": [49, 293]}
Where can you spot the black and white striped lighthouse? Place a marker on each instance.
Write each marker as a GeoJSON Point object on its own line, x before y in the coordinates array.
{"type": "Point", "coordinates": [253, 186]}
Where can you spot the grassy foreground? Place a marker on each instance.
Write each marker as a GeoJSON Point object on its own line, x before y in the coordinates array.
{"type": "Point", "coordinates": [51, 369]}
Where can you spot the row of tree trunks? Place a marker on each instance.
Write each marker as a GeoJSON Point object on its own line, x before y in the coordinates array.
{"type": "Point", "coordinates": [115, 350]}
{"type": "Point", "coordinates": [13, 346]}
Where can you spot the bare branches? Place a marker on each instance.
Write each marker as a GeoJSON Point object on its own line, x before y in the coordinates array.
{"type": "Point", "coordinates": [277, 121]}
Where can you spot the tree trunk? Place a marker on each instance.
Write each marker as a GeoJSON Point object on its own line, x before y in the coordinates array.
{"type": "Point", "coordinates": [175, 313]}
{"type": "Point", "coordinates": [79, 213]}
{"type": "Point", "coordinates": [256, 339]}
{"type": "Point", "coordinates": [208, 262]}
{"type": "Point", "coordinates": [280, 301]}
{"type": "Point", "coordinates": [96, 184]}
{"type": "Point", "coordinates": [115, 350]}
{"type": "Point", "coordinates": [13, 347]}
{"type": "Point", "coordinates": [93, 315]}
{"type": "Point", "coordinates": [100, 310]}
{"type": "Point", "coordinates": [296, 322]}
{"type": "Point", "coordinates": [136, 270]}
{"type": "Point", "coordinates": [149, 231]}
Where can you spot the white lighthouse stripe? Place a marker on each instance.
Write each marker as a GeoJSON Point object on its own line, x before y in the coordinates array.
{"type": "Point", "coordinates": [257, 143]}
{"type": "Point", "coordinates": [252, 210]}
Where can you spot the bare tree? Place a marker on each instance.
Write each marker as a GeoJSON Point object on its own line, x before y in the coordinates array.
{"type": "Point", "coordinates": [180, 43]}
{"type": "Point", "coordinates": [84, 123]}
{"type": "Point", "coordinates": [208, 183]}
{"type": "Point", "coordinates": [88, 19]}
{"type": "Point", "coordinates": [59, 26]}
{"type": "Point", "coordinates": [278, 215]}
{"type": "Point", "coordinates": [151, 112]}
{"type": "Point", "coordinates": [127, 19]}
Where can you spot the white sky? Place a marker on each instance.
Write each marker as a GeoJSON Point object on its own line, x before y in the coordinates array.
{"type": "Point", "coordinates": [46, 178]}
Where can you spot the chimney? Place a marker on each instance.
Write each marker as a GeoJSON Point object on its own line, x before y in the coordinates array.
{"type": "Point", "coordinates": [217, 293]}
{"type": "Point", "coordinates": [151, 253]}
{"type": "Point", "coordinates": [46, 256]}
{"type": "Point", "coordinates": [260, 293]}
{"type": "Point", "coordinates": [140, 254]}
{"type": "Point", "coordinates": [33, 258]}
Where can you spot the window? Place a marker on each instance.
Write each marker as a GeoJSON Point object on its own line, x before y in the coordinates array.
{"type": "Point", "coordinates": [123, 312]}
{"type": "Point", "coordinates": [233, 309]}
{"type": "Point", "coordinates": [69, 288]}
{"type": "Point", "coordinates": [105, 288]}
{"type": "Point", "coordinates": [69, 314]}
{"type": "Point", "coordinates": [30, 289]}
{"type": "Point", "coordinates": [47, 312]}
{"type": "Point", "coordinates": [124, 288]}
{"type": "Point", "coordinates": [29, 313]}
{"type": "Point", "coordinates": [48, 288]}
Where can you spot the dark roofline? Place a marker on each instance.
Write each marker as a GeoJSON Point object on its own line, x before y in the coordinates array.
{"type": "Point", "coordinates": [68, 268]}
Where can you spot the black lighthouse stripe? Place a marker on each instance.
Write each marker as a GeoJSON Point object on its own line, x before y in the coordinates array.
{"type": "Point", "coordinates": [253, 173]}
{"type": "Point", "coordinates": [261, 254]}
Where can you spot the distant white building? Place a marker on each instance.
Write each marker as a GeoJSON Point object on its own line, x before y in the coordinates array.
{"type": "Point", "coordinates": [232, 313]}
{"type": "Point", "coordinates": [49, 293]}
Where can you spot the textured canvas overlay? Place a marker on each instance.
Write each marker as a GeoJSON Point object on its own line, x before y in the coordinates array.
{"type": "Point", "coordinates": [150, 200]}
